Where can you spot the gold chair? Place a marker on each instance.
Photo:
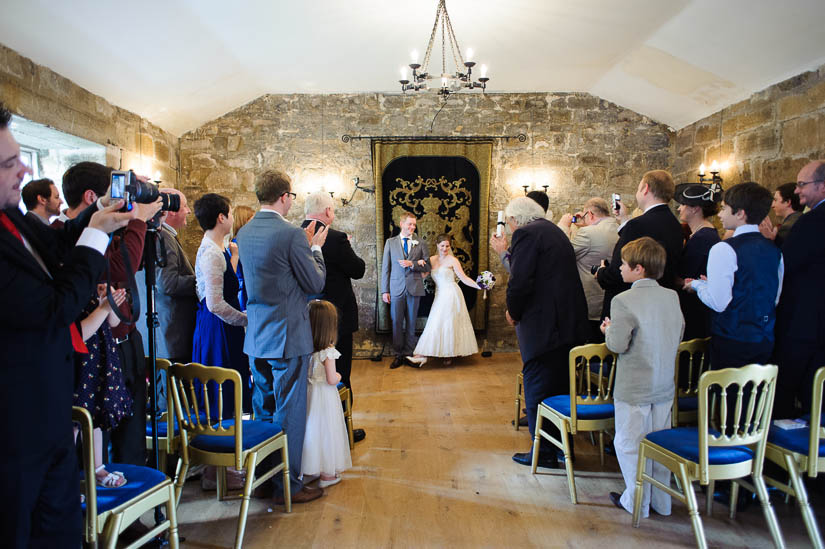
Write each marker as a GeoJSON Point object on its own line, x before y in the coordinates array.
{"type": "Point", "coordinates": [686, 396]}
{"type": "Point", "coordinates": [167, 445]}
{"type": "Point", "coordinates": [717, 451]}
{"type": "Point", "coordinates": [519, 397]}
{"type": "Point", "coordinates": [592, 408]}
{"type": "Point", "coordinates": [110, 510]}
{"type": "Point", "coordinates": [346, 399]}
{"type": "Point", "coordinates": [221, 441]}
{"type": "Point", "coordinates": [798, 450]}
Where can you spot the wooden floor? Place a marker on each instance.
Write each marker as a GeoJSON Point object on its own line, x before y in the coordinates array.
{"type": "Point", "coordinates": [435, 471]}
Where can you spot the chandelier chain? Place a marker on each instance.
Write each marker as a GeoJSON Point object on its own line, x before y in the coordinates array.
{"type": "Point", "coordinates": [432, 36]}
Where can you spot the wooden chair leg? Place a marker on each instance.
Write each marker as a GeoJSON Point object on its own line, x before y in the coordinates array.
{"type": "Point", "coordinates": [249, 467]}
{"type": "Point", "coordinates": [709, 500]}
{"type": "Point", "coordinates": [693, 508]}
{"type": "Point", "coordinates": [637, 494]}
{"type": "Point", "coordinates": [287, 492]}
{"type": "Point", "coordinates": [536, 443]}
{"type": "Point", "coordinates": [518, 401]}
{"type": "Point", "coordinates": [601, 447]}
{"type": "Point", "coordinates": [734, 498]}
{"type": "Point", "coordinates": [804, 505]}
{"type": "Point", "coordinates": [172, 515]}
{"type": "Point", "coordinates": [180, 478]}
{"type": "Point", "coordinates": [568, 462]}
{"type": "Point", "coordinates": [767, 509]}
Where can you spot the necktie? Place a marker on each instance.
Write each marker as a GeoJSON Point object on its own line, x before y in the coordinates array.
{"type": "Point", "coordinates": [77, 339]}
{"type": "Point", "coordinates": [406, 251]}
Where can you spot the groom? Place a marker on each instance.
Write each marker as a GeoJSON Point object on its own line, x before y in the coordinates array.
{"type": "Point", "coordinates": [402, 286]}
{"type": "Point", "coordinates": [282, 265]}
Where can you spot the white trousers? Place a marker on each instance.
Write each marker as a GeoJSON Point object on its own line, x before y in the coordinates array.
{"type": "Point", "coordinates": [633, 423]}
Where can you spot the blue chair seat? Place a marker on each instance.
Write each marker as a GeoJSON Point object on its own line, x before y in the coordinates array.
{"type": "Point", "coordinates": [254, 432]}
{"type": "Point", "coordinates": [561, 404]}
{"type": "Point", "coordinates": [687, 404]}
{"type": "Point", "coordinates": [684, 441]}
{"type": "Point", "coordinates": [795, 440]}
{"type": "Point", "coordinates": [138, 480]}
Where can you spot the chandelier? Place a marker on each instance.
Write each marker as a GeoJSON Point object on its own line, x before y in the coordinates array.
{"type": "Point", "coordinates": [446, 83]}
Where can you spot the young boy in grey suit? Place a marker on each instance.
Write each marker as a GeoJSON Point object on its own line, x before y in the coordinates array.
{"type": "Point", "coordinates": [645, 331]}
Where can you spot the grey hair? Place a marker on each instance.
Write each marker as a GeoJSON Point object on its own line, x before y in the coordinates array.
{"type": "Point", "coordinates": [523, 210]}
{"type": "Point", "coordinates": [317, 203]}
{"type": "Point", "coordinates": [599, 205]}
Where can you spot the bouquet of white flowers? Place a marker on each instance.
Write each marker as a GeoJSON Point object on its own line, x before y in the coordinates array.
{"type": "Point", "coordinates": [487, 281]}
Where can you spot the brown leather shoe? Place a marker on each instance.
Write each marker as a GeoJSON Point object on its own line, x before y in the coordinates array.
{"type": "Point", "coordinates": [307, 493]}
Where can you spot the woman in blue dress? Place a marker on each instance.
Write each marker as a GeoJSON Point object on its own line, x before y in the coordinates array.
{"type": "Point", "coordinates": [219, 322]}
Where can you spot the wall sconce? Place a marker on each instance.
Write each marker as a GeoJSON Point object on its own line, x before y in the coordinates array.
{"type": "Point", "coordinates": [370, 189]}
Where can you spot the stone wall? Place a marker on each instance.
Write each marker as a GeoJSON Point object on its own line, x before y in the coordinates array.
{"type": "Point", "coordinates": [766, 138]}
{"type": "Point", "coordinates": [39, 94]}
{"type": "Point", "coordinates": [577, 144]}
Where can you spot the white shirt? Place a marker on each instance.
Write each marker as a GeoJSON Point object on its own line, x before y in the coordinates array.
{"type": "Point", "coordinates": [717, 291]}
{"type": "Point", "coordinates": [646, 210]}
{"type": "Point", "coordinates": [210, 266]}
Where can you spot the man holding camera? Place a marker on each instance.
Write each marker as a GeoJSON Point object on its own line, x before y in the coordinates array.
{"type": "Point", "coordinates": [83, 184]}
{"type": "Point", "coordinates": [654, 192]}
{"type": "Point", "coordinates": [46, 278]}
{"type": "Point", "coordinates": [592, 243]}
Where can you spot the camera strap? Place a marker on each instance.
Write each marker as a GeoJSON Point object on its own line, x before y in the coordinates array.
{"type": "Point", "coordinates": [131, 286]}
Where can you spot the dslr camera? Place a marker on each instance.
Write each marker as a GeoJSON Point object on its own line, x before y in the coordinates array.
{"type": "Point", "coordinates": [595, 268]}
{"type": "Point", "coordinates": [126, 186]}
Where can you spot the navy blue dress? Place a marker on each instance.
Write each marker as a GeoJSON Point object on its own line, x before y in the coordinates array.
{"type": "Point", "coordinates": [217, 343]}
{"type": "Point", "coordinates": [693, 264]}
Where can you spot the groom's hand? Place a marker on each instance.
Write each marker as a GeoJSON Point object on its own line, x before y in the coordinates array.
{"type": "Point", "coordinates": [405, 263]}
{"type": "Point", "coordinates": [385, 297]}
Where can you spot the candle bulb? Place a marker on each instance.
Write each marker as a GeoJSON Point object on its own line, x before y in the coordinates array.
{"type": "Point", "coordinates": [714, 167]}
{"type": "Point", "coordinates": [469, 54]}
{"type": "Point", "coordinates": [404, 73]}
{"type": "Point", "coordinates": [484, 71]}
{"type": "Point", "coordinates": [414, 56]}
{"type": "Point", "coordinates": [500, 222]}
{"type": "Point", "coordinates": [701, 169]}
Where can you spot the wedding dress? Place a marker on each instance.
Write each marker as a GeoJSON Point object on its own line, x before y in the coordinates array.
{"type": "Point", "coordinates": [448, 331]}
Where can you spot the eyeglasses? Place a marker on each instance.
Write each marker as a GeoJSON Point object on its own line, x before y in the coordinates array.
{"type": "Point", "coordinates": [291, 195]}
{"type": "Point", "coordinates": [800, 184]}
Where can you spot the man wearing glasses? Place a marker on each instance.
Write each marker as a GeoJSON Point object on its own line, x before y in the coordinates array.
{"type": "Point", "coordinates": [592, 243]}
{"type": "Point", "coordinates": [800, 315]}
{"type": "Point", "coordinates": [283, 264]}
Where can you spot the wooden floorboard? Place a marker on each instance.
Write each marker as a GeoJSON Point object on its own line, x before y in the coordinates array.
{"type": "Point", "coordinates": [435, 471]}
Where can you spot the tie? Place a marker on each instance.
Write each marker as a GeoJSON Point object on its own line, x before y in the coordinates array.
{"type": "Point", "coordinates": [406, 251]}
{"type": "Point", "coordinates": [77, 339]}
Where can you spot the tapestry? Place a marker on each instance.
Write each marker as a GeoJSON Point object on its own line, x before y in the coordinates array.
{"type": "Point", "coordinates": [446, 186]}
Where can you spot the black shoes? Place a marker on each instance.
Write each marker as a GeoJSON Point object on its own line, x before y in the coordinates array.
{"type": "Point", "coordinates": [547, 459]}
{"type": "Point", "coordinates": [616, 499]}
{"type": "Point", "coordinates": [522, 421]}
{"type": "Point", "coordinates": [397, 363]}
{"type": "Point", "coordinates": [358, 435]}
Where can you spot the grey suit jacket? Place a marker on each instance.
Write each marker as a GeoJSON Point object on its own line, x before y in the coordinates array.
{"type": "Point", "coordinates": [397, 280]}
{"type": "Point", "coordinates": [592, 244]}
{"type": "Point", "coordinates": [280, 271]}
{"type": "Point", "coordinates": [645, 330]}
{"type": "Point", "coordinates": [176, 302]}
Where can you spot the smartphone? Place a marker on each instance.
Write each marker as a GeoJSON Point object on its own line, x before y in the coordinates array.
{"type": "Point", "coordinates": [118, 188]}
{"type": "Point", "coordinates": [574, 219]}
{"type": "Point", "coordinates": [616, 199]}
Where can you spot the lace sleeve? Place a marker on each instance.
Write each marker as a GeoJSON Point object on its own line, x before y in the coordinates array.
{"type": "Point", "coordinates": [329, 352]}
{"type": "Point", "coordinates": [213, 266]}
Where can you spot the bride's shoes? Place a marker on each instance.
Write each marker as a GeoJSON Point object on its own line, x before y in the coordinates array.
{"type": "Point", "coordinates": [417, 361]}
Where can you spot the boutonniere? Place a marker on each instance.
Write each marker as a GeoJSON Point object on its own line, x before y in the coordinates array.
{"type": "Point", "coordinates": [413, 243]}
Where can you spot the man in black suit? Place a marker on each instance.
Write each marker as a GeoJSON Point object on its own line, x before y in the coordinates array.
{"type": "Point", "coordinates": [546, 304]}
{"type": "Point", "coordinates": [800, 315]}
{"type": "Point", "coordinates": [45, 281]}
{"type": "Point", "coordinates": [652, 196]}
{"type": "Point", "coordinates": [42, 200]}
{"type": "Point", "coordinates": [343, 265]}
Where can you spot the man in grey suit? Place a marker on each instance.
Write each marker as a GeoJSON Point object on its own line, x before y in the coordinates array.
{"type": "Point", "coordinates": [176, 301]}
{"type": "Point", "coordinates": [593, 242]}
{"type": "Point", "coordinates": [283, 264]}
{"type": "Point", "coordinates": [402, 285]}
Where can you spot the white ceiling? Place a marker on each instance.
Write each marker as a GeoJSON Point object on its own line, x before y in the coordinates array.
{"type": "Point", "coordinates": [180, 63]}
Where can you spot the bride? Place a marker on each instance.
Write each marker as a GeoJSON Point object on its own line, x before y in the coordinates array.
{"type": "Point", "coordinates": [448, 332]}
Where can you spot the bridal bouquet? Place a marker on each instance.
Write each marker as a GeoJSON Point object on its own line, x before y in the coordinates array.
{"type": "Point", "coordinates": [487, 281]}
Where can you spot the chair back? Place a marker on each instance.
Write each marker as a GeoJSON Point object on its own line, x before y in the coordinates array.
{"type": "Point", "coordinates": [816, 430]}
{"type": "Point", "coordinates": [195, 414]}
{"type": "Point", "coordinates": [693, 354]}
{"type": "Point", "coordinates": [162, 364]}
{"type": "Point", "coordinates": [592, 373]}
{"type": "Point", "coordinates": [752, 390]}
{"type": "Point", "coordinates": [83, 418]}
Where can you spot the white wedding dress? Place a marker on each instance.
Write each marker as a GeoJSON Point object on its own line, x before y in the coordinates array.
{"type": "Point", "coordinates": [448, 332]}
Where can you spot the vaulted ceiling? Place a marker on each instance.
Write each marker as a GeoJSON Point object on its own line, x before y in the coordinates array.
{"type": "Point", "coordinates": [180, 63]}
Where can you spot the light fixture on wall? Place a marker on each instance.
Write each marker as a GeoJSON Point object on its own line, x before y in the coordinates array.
{"type": "Point", "coordinates": [449, 82]}
{"type": "Point", "coordinates": [370, 189]}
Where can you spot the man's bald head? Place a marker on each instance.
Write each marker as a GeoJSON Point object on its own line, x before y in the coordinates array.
{"type": "Point", "coordinates": [810, 183]}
